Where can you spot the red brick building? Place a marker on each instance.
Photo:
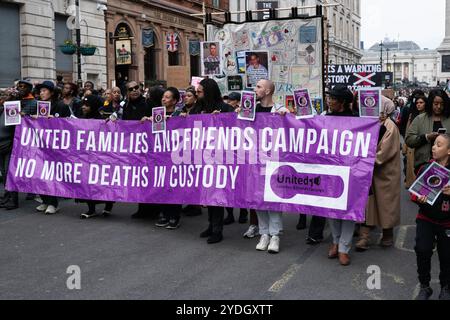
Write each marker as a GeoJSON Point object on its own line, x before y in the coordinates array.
{"type": "Point", "coordinates": [152, 41]}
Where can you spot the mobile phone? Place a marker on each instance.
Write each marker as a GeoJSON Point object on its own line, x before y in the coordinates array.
{"type": "Point", "coordinates": [442, 131]}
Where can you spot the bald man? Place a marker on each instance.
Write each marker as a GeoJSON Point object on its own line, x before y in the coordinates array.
{"type": "Point", "coordinates": [270, 223]}
{"type": "Point", "coordinates": [264, 95]}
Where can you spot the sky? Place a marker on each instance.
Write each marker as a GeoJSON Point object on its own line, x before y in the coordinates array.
{"type": "Point", "coordinates": [417, 20]}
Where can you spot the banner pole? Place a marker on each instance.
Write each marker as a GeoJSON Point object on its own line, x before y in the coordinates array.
{"type": "Point", "coordinates": [264, 10]}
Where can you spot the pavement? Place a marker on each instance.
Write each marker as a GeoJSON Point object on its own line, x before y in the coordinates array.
{"type": "Point", "coordinates": [122, 258]}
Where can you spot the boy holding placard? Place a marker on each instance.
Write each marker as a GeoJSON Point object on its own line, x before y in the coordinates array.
{"type": "Point", "coordinates": [433, 222]}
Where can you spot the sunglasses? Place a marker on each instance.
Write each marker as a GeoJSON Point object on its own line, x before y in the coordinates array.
{"type": "Point", "coordinates": [135, 88]}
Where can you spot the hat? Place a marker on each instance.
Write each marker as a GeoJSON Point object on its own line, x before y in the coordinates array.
{"type": "Point", "coordinates": [342, 91]}
{"type": "Point", "coordinates": [26, 81]}
{"type": "Point", "coordinates": [46, 84]}
{"type": "Point", "coordinates": [234, 96]}
{"type": "Point", "coordinates": [92, 101]}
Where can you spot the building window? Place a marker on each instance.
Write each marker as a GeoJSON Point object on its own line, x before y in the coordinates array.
{"type": "Point", "coordinates": [150, 64]}
{"type": "Point", "coordinates": [216, 3]}
{"type": "Point", "coordinates": [174, 58]}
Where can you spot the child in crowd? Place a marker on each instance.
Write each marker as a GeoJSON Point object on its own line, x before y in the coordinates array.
{"type": "Point", "coordinates": [433, 224]}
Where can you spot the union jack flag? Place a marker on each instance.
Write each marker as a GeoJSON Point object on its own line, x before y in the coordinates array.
{"type": "Point", "coordinates": [172, 42]}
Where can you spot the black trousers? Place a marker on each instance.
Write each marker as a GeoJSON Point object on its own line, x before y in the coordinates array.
{"type": "Point", "coordinates": [50, 200]}
{"type": "Point", "coordinates": [4, 166]}
{"type": "Point", "coordinates": [316, 227]}
{"type": "Point", "coordinates": [215, 218]}
{"type": "Point", "coordinates": [426, 234]}
{"type": "Point", "coordinates": [91, 205]}
{"type": "Point", "coordinates": [171, 211]}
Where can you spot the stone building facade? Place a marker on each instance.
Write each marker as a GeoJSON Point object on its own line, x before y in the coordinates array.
{"type": "Point", "coordinates": [35, 30]}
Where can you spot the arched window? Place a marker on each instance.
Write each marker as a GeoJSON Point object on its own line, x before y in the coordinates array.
{"type": "Point", "coordinates": [150, 44]}
{"type": "Point", "coordinates": [173, 45]}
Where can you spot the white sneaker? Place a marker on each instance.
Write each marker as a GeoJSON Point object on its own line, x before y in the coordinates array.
{"type": "Point", "coordinates": [251, 232]}
{"type": "Point", "coordinates": [274, 246]}
{"type": "Point", "coordinates": [42, 208]}
{"type": "Point", "coordinates": [51, 210]}
{"type": "Point", "coordinates": [38, 199]}
{"type": "Point", "coordinates": [263, 243]}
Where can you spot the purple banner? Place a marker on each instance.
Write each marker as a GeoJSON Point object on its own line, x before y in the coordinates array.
{"type": "Point", "coordinates": [320, 166]}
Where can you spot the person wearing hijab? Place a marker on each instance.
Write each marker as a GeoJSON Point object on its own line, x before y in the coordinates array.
{"type": "Point", "coordinates": [340, 105]}
{"type": "Point", "coordinates": [383, 208]}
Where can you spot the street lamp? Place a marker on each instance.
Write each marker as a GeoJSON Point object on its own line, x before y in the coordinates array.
{"type": "Point", "coordinates": [78, 40]}
{"type": "Point", "coordinates": [381, 54]}
{"type": "Point", "coordinates": [387, 60]}
{"type": "Point", "coordinates": [393, 71]}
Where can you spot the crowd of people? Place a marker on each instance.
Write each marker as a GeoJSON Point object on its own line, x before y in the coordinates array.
{"type": "Point", "coordinates": [423, 119]}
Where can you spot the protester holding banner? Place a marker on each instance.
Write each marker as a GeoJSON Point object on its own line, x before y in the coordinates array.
{"type": "Point", "coordinates": [433, 226]}
{"type": "Point", "coordinates": [47, 92]}
{"type": "Point", "coordinates": [426, 127]}
{"type": "Point", "coordinates": [155, 95]}
{"type": "Point", "coordinates": [270, 223]}
{"type": "Point", "coordinates": [340, 105]}
{"type": "Point", "coordinates": [91, 110]}
{"type": "Point", "coordinates": [69, 105]}
{"type": "Point", "coordinates": [136, 108]}
{"type": "Point", "coordinates": [416, 109]}
{"type": "Point", "coordinates": [27, 101]}
{"type": "Point", "coordinates": [49, 203]}
{"type": "Point", "coordinates": [340, 95]}
{"type": "Point", "coordinates": [169, 213]}
{"type": "Point", "coordinates": [10, 199]}
{"type": "Point", "coordinates": [191, 107]}
{"type": "Point", "coordinates": [190, 101]}
{"type": "Point", "coordinates": [112, 105]}
{"type": "Point", "coordinates": [210, 101]}
{"type": "Point", "coordinates": [383, 209]}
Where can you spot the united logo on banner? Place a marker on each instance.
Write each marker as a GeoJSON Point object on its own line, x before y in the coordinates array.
{"type": "Point", "coordinates": [172, 42]}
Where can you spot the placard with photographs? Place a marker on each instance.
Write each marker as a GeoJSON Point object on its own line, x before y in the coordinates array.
{"type": "Point", "coordinates": [257, 67]}
{"type": "Point", "coordinates": [303, 103]}
{"type": "Point", "coordinates": [211, 62]}
{"type": "Point", "coordinates": [159, 119]}
{"type": "Point", "coordinates": [369, 102]}
{"type": "Point", "coordinates": [248, 106]}
{"type": "Point", "coordinates": [43, 108]}
{"type": "Point", "coordinates": [12, 113]}
{"type": "Point", "coordinates": [431, 182]}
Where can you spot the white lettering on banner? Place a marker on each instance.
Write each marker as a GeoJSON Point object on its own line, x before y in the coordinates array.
{"type": "Point", "coordinates": [45, 138]}
{"type": "Point", "coordinates": [207, 176]}
{"type": "Point", "coordinates": [25, 168]}
{"type": "Point", "coordinates": [120, 176]}
{"type": "Point", "coordinates": [61, 172]}
{"type": "Point", "coordinates": [207, 143]}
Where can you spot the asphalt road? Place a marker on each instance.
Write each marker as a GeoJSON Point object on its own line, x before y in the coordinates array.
{"type": "Point", "coordinates": [121, 258]}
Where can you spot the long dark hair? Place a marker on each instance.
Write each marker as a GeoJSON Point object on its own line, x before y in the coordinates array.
{"type": "Point", "coordinates": [412, 98]}
{"type": "Point", "coordinates": [438, 93]}
{"type": "Point", "coordinates": [413, 109]}
{"type": "Point", "coordinates": [212, 96]}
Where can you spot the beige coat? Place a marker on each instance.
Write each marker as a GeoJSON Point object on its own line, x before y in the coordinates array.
{"type": "Point", "coordinates": [410, 159]}
{"type": "Point", "coordinates": [383, 209]}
